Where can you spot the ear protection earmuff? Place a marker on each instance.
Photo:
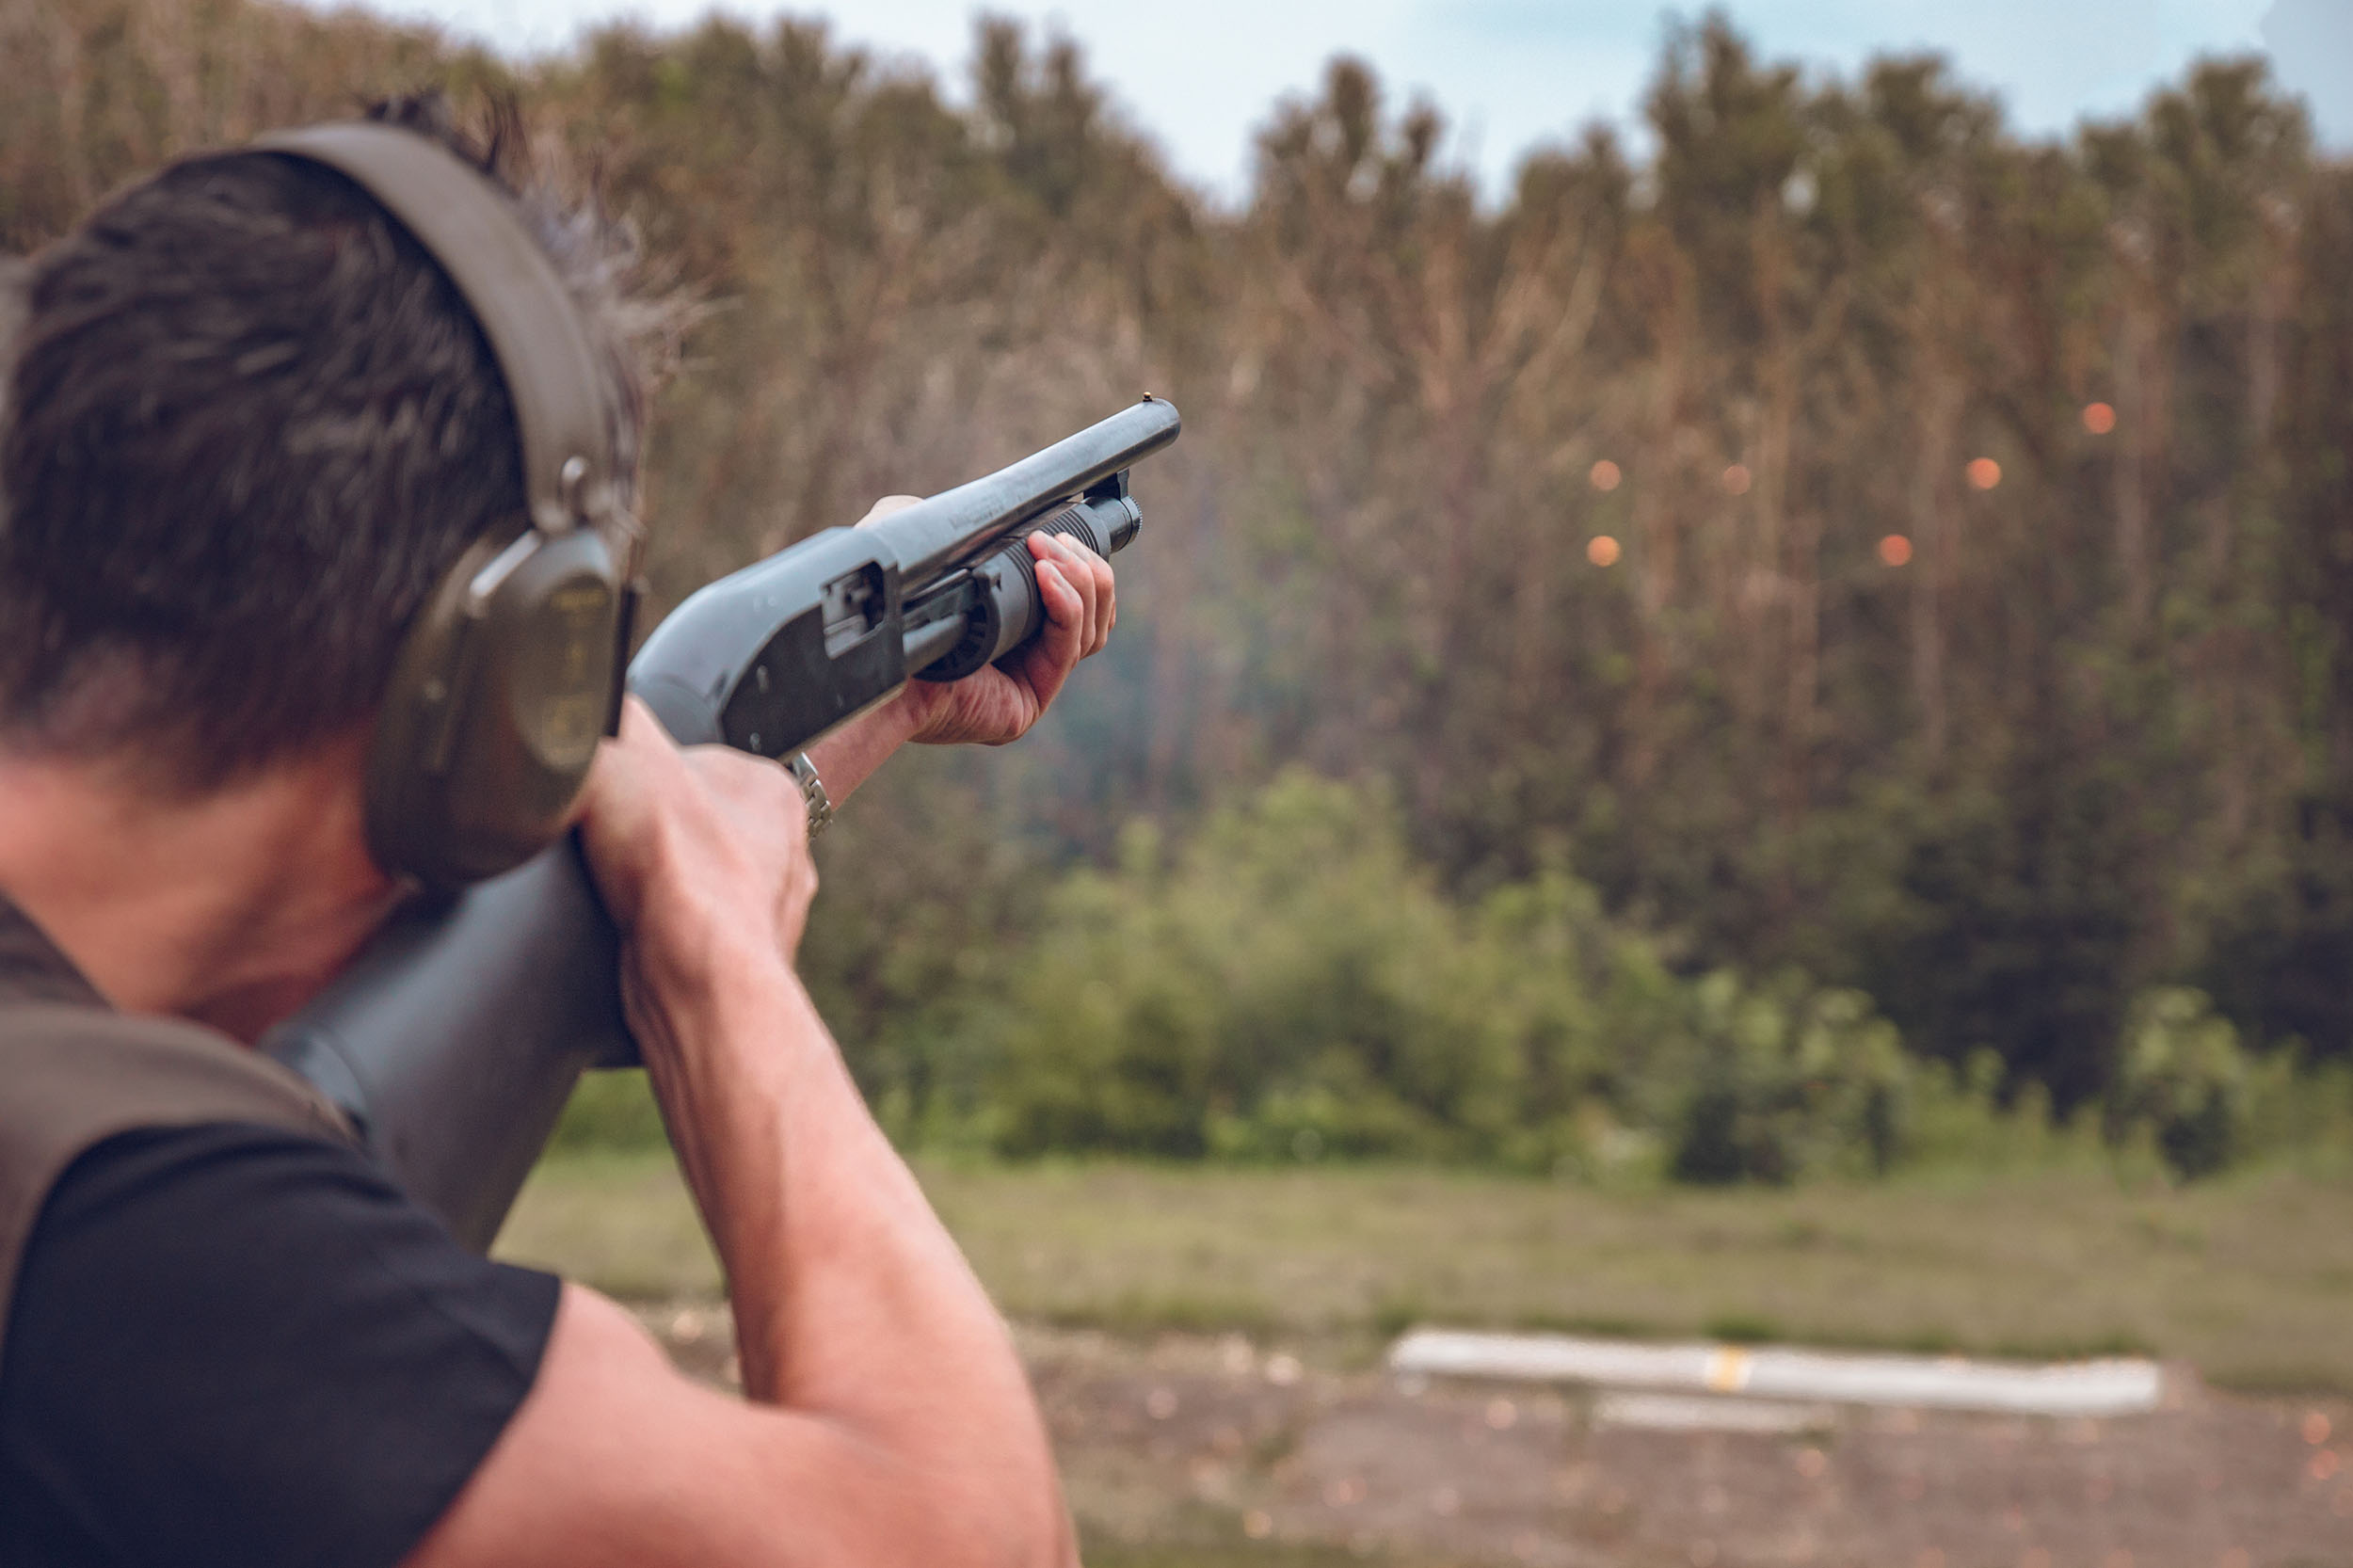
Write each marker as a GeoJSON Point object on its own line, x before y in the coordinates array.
{"type": "Point", "coordinates": [512, 670]}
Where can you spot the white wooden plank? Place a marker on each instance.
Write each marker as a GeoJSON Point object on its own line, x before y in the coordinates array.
{"type": "Point", "coordinates": [2107, 1387]}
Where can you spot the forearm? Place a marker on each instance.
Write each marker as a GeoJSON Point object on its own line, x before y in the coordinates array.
{"type": "Point", "coordinates": [848, 756]}
{"type": "Point", "coordinates": [852, 1302]}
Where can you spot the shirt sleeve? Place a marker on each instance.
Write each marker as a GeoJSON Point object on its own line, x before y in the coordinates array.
{"type": "Point", "coordinates": [232, 1344]}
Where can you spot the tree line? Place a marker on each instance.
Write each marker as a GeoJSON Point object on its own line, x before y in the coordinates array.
{"type": "Point", "coordinates": [1851, 539]}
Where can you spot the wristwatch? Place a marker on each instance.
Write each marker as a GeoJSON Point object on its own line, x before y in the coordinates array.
{"type": "Point", "coordinates": [804, 772]}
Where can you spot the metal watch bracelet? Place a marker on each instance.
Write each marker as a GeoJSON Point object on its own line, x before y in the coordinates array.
{"type": "Point", "coordinates": [804, 772]}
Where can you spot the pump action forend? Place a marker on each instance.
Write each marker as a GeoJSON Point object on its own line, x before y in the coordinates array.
{"type": "Point", "coordinates": [455, 1038]}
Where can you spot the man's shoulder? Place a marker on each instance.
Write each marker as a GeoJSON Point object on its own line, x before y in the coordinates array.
{"type": "Point", "coordinates": [246, 1335]}
{"type": "Point", "coordinates": [77, 1074]}
{"type": "Point", "coordinates": [67, 1061]}
{"type": "Point", "coordinates": [77, 1070]}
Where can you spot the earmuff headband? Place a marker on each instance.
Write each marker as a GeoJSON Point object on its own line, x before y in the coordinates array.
{"type": "Point", "coordinates": [522, 307]}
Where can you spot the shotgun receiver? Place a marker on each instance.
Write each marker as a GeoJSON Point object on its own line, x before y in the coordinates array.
{"type": "Point", "coordinates": [454, 1039]}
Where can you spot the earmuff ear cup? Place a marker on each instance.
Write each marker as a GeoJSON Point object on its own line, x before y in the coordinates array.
{"type": "Point", "coordinates": [490, 722]}
{"type": "Point", "coordinates": [514, 668]}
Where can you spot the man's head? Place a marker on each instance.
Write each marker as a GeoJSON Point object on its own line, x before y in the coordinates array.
{"type": "Point", "coordinates": [248, 425]}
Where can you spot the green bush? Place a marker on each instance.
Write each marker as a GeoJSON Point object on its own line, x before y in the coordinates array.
{"type": "Point", "coordinates": [1956, 1121]}
{"type": "Point", "coordinates": [2184, 1076]}
{"type": "Point", "coordinates": [1789, 1081]}
{"type": "Point", "coordinates": [2300, 1109]}
{"type": "Point", "coordinates": [1290, 986]}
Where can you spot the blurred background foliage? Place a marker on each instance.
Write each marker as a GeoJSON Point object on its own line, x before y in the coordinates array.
{"type": "Point", "coordinates": [1827, 645]}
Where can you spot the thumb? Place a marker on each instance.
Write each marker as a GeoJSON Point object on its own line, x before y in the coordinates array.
{"type": "Point", "coordinates": [887, 506]}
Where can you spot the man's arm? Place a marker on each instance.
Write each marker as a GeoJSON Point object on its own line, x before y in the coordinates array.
{"type": "Point", "coordinates": [888, 1420]}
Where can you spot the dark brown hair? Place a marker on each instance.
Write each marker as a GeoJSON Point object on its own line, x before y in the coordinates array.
{"type": "Point", "coordinates": [248, 425]}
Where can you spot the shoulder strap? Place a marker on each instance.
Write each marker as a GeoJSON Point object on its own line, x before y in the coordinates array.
{"type": "Point", "coordinates": [72, 1076]}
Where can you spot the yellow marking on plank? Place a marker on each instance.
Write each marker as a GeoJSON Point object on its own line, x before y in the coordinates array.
{"type": "Point", "coordinates": [1728, 1368]}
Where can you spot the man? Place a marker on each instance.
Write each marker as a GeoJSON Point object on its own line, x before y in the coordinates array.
{"type": "Point", "coordinates": [245, 426]}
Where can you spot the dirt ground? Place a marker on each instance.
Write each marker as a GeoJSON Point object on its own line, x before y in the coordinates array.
{"type": "Point", "coordinates": [1221, 1440]}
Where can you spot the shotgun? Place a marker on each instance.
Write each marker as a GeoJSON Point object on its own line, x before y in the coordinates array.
{"type": "Point", "coordinates": [454, 1039]}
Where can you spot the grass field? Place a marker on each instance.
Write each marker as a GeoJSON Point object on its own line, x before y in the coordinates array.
{"type": "Point", "coordinates": [2249, 1279]}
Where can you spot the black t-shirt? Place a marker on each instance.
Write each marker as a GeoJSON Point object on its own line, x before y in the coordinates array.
{"type": "Point", "coordinates": [231, 1344]}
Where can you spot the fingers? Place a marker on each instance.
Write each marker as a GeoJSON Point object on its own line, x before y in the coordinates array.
{"type": "Point", "coordinates": [631, 770]}
{"type": "Point", "coordinates": [619, 807]}
{"type": "Point", "coordinates": [1046, 663]}
{"type": "Point", "coordinates": [640, 739]}
{"type": "Point", "coordinates": [767, 818]}
{"type": "Point", "coordinates": [993, 706]}
{"type": "Point", "coordinates": [1089, 578]}
{"type": "Point", "coordinates": [763, 819]}
{"type": "Point", "coordinates": [678, 838]}
{"type": "Point", "coordinates": [1102, 599]}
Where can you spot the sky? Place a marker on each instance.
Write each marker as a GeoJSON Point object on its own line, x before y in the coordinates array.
{"type": "Point", "coordinates": [1199, 76]}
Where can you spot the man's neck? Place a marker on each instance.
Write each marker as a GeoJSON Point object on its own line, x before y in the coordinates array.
{"type": "Point", "coordinates": [232, 908]}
